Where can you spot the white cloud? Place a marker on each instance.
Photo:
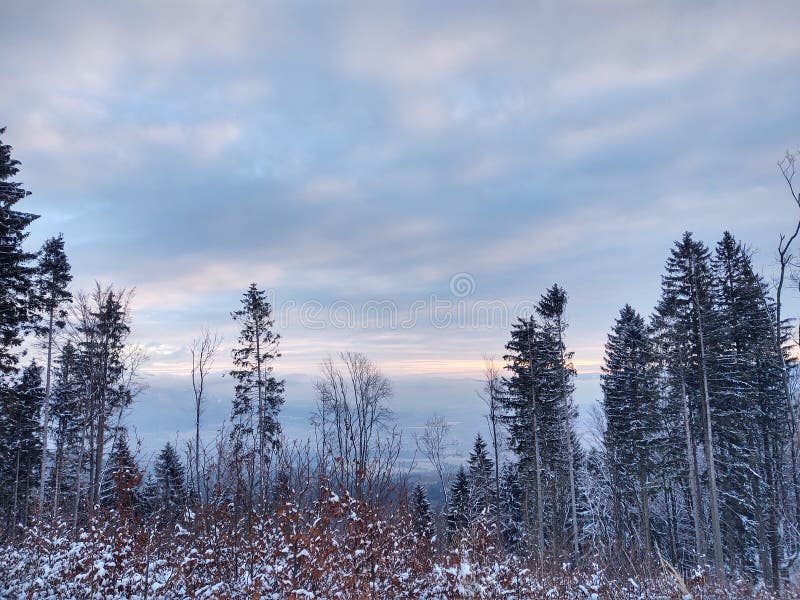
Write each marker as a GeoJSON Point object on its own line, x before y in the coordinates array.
{"type": "Point", "coordinates": [204, 141]}
{"type": "Point", "coordinates": [328, 189]}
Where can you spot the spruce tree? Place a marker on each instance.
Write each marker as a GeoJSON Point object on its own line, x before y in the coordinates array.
{"type": "Point", "coordinates": [259, 395]}
{"type": "Point", "coordinates": [119, 487]}
{"type": "Point", "coordinates": [751, 408]}
{"type": "Point", "coordinates": [683, 322]}
{"type": "Point", "coordinates": [458, 505]}
{"type": "Point", "coordinates": [20, 442]}
{"type": "Point", "coordinates": [66, 424]}
{"type": "Point", "coordinates": [100, 334]}
{"type": "Point", "coordinates": [481, 469]}
{"type": "Point", "coordinates": [562, 449]}
{"type": "Point", "coordinates": [51, 280]}
{"type": "Point", "coordinates": [632, 435]}
{"type": "Point", "coordinates": [170, 480]}
{"type": "Point", "coordinates": [15, 263]}
{"type": "Point", "coordinates": [523, 408]}
{"type": "Point", "coordinates": [510, 506]}
{"type": "Point", "coordinates": [421, 515]}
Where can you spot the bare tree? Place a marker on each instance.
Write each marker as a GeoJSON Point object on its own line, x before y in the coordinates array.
{"type": "Point", "coordinates": [357, 439]}
{"type": "Point", "coordinates": [491, 394]}
{"type": "Point", "coordinates": [785, 261]}
{"type": "Point", "coordinates": [433, 445]}
{"type": "Point", "coordinates": [203, 350]}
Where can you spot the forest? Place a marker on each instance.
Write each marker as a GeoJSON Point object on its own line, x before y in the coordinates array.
{"type": "Point", "coordinates": [689, 489]}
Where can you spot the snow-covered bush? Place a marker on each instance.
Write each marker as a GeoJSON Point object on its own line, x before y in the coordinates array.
{"type": "Point", "coordinates": [332, 548]}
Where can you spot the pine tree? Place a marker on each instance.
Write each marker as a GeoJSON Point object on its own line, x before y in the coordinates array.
{"type": "Point", "coordinates": [170, 480]}
{"type": "Point", "coordinates": [51, 280]}
{"type": "Point", "coordinates": [630, 403]}
{"type": "Point", "coordinates": [259, 395]}
{"type": "Point", "coordinates": [15, 268]}
{"type": "Point", "coordinates": [481, 469]}
{"type": "Point", "coordinates": [458, 506]}
{"type": "Point", "coordinates": [421, 515]}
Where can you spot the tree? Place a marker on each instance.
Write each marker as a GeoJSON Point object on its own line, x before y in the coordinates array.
{"type": "Point", "coordinates": [458, 505]}
{"type": "Point", "coordinates": [51, 280]}
{"type": "Point", "coordinates": [748, 387]}
{"type": "Point", "coordinates": [20, 442]}
{"type": "Point", "coordinates": [421, 515]}
{"type": "Point", "coordinates": [15, 269]}
{"type": "Point", "coordinates": [170, 480]}
{"type": "Point", "coordinates": [358, 441]}
{"type": "Point", "coordinates": [67, 423]}
{"type": "Point", "coordinates": [481, 468]}
{"type": "Point", "coordinates": [433, 444]}
{"type": "Point", "coordinates": [203, 351]}
{"type": "Point", "coordinates": [551, 308]}
{"type": "Point", "coordinates": [510, 504]}
{"type": "Point", "coordinates": [492, 395]}
{"type": "Point", "coordinates": [107, 368]}
{"type": "Point", "coordinates": [630, 404]}
{"type": "Point", "coordinates": [259, 395]}
{"type": "Point", "coordinates": [682, 320]}
{"type": "Point", "coordinates": [120, 480]}
{"type": "Point", "coordinates": [523, 413]}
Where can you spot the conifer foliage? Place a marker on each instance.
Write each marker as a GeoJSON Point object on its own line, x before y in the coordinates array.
{"type": "Point", "coordinates": [16, 269]}
{"type": "Point", "coordinates": [170, 480]}
{"type": "Point", "coordinates": [259, 394]}
{"type": "Point", "coordinates": [630, 402]}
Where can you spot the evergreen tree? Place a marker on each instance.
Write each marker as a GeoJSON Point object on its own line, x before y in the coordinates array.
{"type": "Point", "coordinates": [120, 480]}
{"type": "Point", "coordinates": [20, 442]}
{"type": "Point", "coordinates": [421, 515]}
{"type": "Point", "coordinates": [481, 469]}
{"type": "Point", "coordinates": [259, 395]}
{"type": "Point", "coordinates": [101, 331]}
{"type": "Point", "coordinates": [562, 450]}
{"type": "Point", "coordinates": [523, 409]}
{"type": "Point", "coordinates": [630, 403]}
{"type": "Point", "coordinates": [171, 480]}
{"type": "Point", "coordinates": [15, 268]}
{"type": "Point", "coordinates": [682, 325]}
{"type": "Point", "coordinates": [458, 504]}
{"type": "Point", "coordinates": [52, 278]}
{"type": "Point", "coordinates": [510, 506]}
{"type": "Point", "coordinates": [747, 386]}
{"type": "Point", "coordinates": [66, 424]}
{"type": "Point", "coordinates": [541, 415]}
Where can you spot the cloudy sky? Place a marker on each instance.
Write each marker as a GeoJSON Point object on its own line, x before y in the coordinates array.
{"type": "Point", "coordinates": [402, 177]}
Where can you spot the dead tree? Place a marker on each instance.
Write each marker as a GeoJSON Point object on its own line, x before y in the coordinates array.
{"type": "Point", "coordinates": [203, 350]}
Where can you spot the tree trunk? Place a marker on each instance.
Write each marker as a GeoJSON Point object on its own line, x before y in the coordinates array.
{"type": "Point", "coordinates": [15, 505]}
{"type": "Point", "coordinates": [46, 411]}
{"type": "Point", "coordinates": [573, 504]}
{"type": "Point", "coordinates": [197, 447]}
{"type": "Point", "coordinates": [78, 474]}
{"type": "Point", "coordinates": [699, 537]}
{"type": "Point", "coordinates": [536, 453]}
{"type": "Point", "coordinates": [644, 502]}
{"type": "Point", "coordinates": [713, 498]}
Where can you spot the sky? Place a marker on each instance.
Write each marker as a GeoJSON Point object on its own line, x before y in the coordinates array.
{"type": "Point", "coordinates": [403, 178]}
